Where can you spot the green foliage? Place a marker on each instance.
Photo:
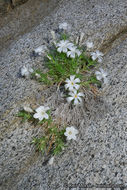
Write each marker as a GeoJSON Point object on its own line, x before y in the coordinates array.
{"type": "Point", "coordinates": [43, 77]}
{"type": "Point", "coordinates": [25, 115]}
{"type": "Point", "coordinates": [91, 80]}
{"type": "Point", "coordinates": [64, 36]}
{"type": "Point", "coordinates": [61, 67]}
{"type": "Point", "coordinates": [40, 144]}
{"type": "Point", "coordinates": [54, 139]}
{"type": "Point", "coordinates": [53, 142]}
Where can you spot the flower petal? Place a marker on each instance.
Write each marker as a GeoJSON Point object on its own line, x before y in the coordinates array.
{"type": "Point", "coordinates": [72, 77]}
{"type": "Point", "coordinates": [77, 86]}
{"type": "Point", "coordinates": [67, 86]}
{"type": "Point", "coordinates": [72, 55]}
{"type": "Point", "coordinates": [94, 57]}
{"type": "Point", "coordinates": [100, 59]}
{"type": "Point", "coordinates": [80, 94]}
{"type": "Point", "coordinates": [41, 118]}
{"type": "Point", "coordinates": [59, 49]}
{"type": "Point", "coordinates": [71, 88]}
{"type": "Point", "coordinates": [99, 77]}
{"type": "Point", "coordinates": [67, 80]}
{"type": "Point", "coordinates": [77, 80]}
{"type": "Point", "coordinates": [80, 100]}
{"type": "Point", "coordinates": [78, 52]}
{"type": "Point", "coordinates": [76, 102]}
{"type": "Point", "coordinates": [97, 73]}
{"type": "Point", "coordinates": [68, 53]}
{"type": "Point", "coordinates": [70, 45]}
{"type": "Point", "coordinates": [36, 115]}
{"type": "Point", "coordinates": [69, 137]}
{"type": "Point", "coordinates": [72, 93]}
{"type": "Point", "coordinates": [69, 99]}
{"type": "Point", "coordinates": [65, 49]}
{"type": "Point", "coordinates": [41, 108]}
{"type": "Point", "coordinates": [74, 137]}
{"type": "Point", "coordinates": [46, 108]}
{"type": "Point", "coordinates": [46, 116]}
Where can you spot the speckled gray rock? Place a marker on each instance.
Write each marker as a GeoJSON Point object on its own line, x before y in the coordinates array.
{"type": "Point", "coordinates": [18, 2]}
{"type": "Point", "coordinates": [22, 18]}
{"type": "Point", "coordinates": [8, 5]}
{"type": "Point", "coordinates": [99, 155]}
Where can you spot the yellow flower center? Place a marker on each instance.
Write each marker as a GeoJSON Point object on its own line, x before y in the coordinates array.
{"type": "Point", "coordinates": [69, 132]}
{"type": "Point", "coordinates": [42, 112]}
{"type": "Point", "coordinates": [72, 83]}
{"type": "Point", "coordinates": [76, 96]}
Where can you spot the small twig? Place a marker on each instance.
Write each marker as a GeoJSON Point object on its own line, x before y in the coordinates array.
{"type": "Point", "coordinates": [94, 90]}
{"type": "Point", "coordinates": [59, 85]}
{"type": "Point", "coordinates": [51, 143]}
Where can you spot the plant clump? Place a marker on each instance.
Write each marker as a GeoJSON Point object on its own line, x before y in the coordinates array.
{"type": "Point", "coordinates": [71, 66]}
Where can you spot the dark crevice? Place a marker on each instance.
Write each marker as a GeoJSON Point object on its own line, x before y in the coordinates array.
{"type": "Point", "coordinates": [114, 40]}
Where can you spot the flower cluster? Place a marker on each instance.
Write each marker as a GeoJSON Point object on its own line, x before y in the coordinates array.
{"type": "Point", "coordinates": [73, 86]}
{"type": "Point", "coordinates": [69, 48]}
{"type": "Point", "coordinates": [60, 66]}
{"type": "Point", "coordinates": [42, 114]}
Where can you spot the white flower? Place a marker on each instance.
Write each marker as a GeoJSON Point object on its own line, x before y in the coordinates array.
{"type": "Point", "coordinates": [73, 51]}
{"type": "Point", "coordinates": [76, 97]}
{"type": "Point", "coordinates": [71, 133]}
{"type": "Point", "coordinates": [41, 113]}
{"type": "Point", "coordinates": [97, 55]}
{"type": "Point", "coordinates": [25, 71]}
{"type": "Point", "coordinates": [72, 83]}
{"type": "Point", "coordinates": [51, 160]}
{"type": "Point", "coordinates": [27, 109]}
{"type": "Point", "coordinates": [38, 76]}
{"type": "Point", "coordinates": [63, 26]}
{"type": "Point", "coordinates": [63, 46]}
{"type": "Point", "coordinates": [40, 50]}
{"type": "Point", "coordinates": [89, 45]}
{"type": "Point", "coordinates": [101, 75]}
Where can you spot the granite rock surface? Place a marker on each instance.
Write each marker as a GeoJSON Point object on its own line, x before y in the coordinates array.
{"type": "Point", "coordinates": [99, 156]}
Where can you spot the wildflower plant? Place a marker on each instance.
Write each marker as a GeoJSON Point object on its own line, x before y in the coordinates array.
{"type": "Point", "coordinates": [66, 64]}
{"type": "Point", "coordinates": [63, 61]}
{"type": "Point", "coordinates": [53, 141]}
